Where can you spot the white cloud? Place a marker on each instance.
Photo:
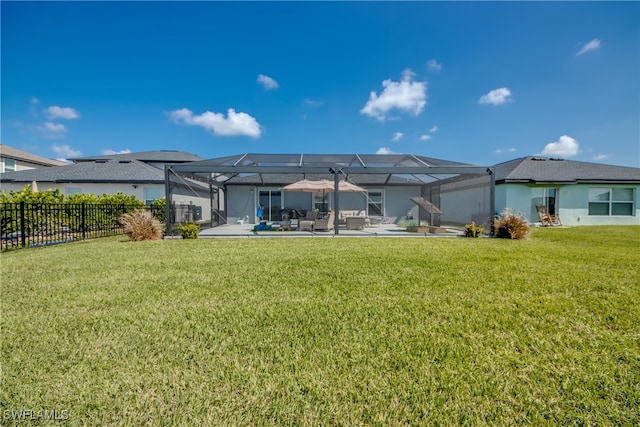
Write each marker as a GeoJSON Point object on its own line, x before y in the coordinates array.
{"type": "Point", "coordinates": [497, 96]}
{"type": "Point", "coordinates": [505, 150]}
{"type": "Point", "coordinates": [109, 152]}
{"type": "Point", "coordinates": [592, 45]}
{"type": "Point", "coordinates": [564, 147]}
{"type": "Point", "coordinates": [52, 130]}
{"type": "Point", "coordinates": [235, 124]}
{"type": "Point", "coordinates": [384, 150]}
{"type": "Point", "coordinates": [425, 137]}
{"type": "Point", "coordinates": [65, 151]}
{"type": "Point", "coordinates": [397, 136]}
{"type": "Point", "coordinates": [267, 82]}
{"type": "Point", "coordinates": [407, 95]}
{"type": "Point", "coordinates": [312, 102]}
{"type": "Point", "coordinates": [55, 112]}
{"type": "Point", "coordinates": [433, 65]}
{"type": "Point", "coordinates": [33, 100]}
{"type": "Point", "coordinates": [600, 157]}
{"type": "Point", "coordinates": [434, 129]}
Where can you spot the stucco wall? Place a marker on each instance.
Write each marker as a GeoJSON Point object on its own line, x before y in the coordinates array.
{"type": "Point", "coordinates": [572, 203]}
{"type": "Point", "coordinates": [466, 200]}
{"type": "Point", "coordinates": [398, 203]}
{"type": "Point", "coordinates": [242, 201]}
{"type": "Point", "coordinates": [127, 189]}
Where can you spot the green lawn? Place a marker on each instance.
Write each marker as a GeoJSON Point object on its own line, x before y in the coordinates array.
{"type": "Point", "coordinates": [344, 331]}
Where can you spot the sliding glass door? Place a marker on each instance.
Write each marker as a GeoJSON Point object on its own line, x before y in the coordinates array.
{"type": "Point", "coordinates": [271, 202]}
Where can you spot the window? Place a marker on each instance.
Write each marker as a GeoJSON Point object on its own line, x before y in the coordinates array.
{"type": "Point", "coordinates": [9, 165]}
{"type": "Point", "coordinates": [611, 201]}
{"type": "Point", "coordinates": [151, 194]}
{"type": "Point", "coordinates": [73, 190]}
{"type": "Point", "coordinates": [375, 203]}
{"type": "Point", "coordinates": [321, 201]}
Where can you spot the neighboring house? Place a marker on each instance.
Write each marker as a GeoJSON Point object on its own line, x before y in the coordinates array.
{"type": "Point", "coordinates": [12, 159]}
{"type": "Point", "coordinates": [139, 174]}
{"type": "Point", "coordinates": [580, 193]}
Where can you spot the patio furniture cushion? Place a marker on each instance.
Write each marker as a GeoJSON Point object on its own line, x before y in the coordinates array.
{"type": "Point", "coordinates": [326, 223]}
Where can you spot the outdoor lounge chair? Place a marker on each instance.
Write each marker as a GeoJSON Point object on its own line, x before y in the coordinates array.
{"type": "Point", "coordinates": [325, 223]}
{"type": "Point", "coordinates": [547, 219]}
{"type": "Point", "coordinates": [306, 223]}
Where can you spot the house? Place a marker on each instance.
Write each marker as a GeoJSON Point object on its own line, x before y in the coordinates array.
{"type": "Point", "coordinates": [579, 193]}
{"type": "Point", "coordinates": [12, 159]}
{"type": "Point", "coordinates": [390, 180]}
{"type": "Point", "coordinates": [140, 174]}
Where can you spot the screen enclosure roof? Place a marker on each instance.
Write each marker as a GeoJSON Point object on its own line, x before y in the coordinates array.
{"type": "Point", "coordinates": [424, 169]}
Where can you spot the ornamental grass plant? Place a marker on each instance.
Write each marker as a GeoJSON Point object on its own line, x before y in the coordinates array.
{"type": "Point", "coordinates": [141, 225]}
{"type": "Point", "coordinates": [511, 225]}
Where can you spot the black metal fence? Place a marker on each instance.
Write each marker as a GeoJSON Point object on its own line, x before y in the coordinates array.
{"type": "Point", "coordinates": [40, 224]}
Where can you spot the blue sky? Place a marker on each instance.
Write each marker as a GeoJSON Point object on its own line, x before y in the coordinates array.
{"type": "Point", "coordinates": [476, 82]}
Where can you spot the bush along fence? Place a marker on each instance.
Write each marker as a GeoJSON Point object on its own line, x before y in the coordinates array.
{"type": "Point", "coordinates": [27, 224]}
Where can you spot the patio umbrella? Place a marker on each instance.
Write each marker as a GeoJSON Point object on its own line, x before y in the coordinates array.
{"type": "Point", "coordinates": [323, 185]}
{"type": "Point", "coordinates": [259, 212]}
{"type": "Point", "coordinates": [34, 187]}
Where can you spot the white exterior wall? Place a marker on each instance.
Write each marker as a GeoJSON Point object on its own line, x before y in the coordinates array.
{"type": "Point", "coordinates": [466, 200]}
{"type": "Point", "coordinates": [397, 203]}
{"type": "Point", "coordinates": [464, 206]}
{"type": "Point", "coordinates": [240, 204]}
{"type": "Point", "coordinates": [99, 189]}
{"type": "Point", "coordinates": [88, 188]}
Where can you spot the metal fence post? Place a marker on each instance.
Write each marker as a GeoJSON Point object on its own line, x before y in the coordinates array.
{"type": "Point", "coordinates": [83, 223]}
{"type": "Point", "coordinates": [22, 228]}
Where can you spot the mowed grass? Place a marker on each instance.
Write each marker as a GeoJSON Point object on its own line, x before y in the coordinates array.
{"type": "Point", "coordinates": [344, 331]}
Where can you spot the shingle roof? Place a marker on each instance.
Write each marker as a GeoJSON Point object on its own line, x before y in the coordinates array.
{"type": "Point", "coordinates": [14, 153]}
{"type": "Point", "coordinates": [546, 170]}
{"type": "Point", "coordinates": [157, 156]}
{"type": "Point", "coordinates": [113, 171]}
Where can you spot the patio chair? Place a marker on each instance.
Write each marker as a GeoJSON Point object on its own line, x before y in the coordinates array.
{"type": "Point", "coordinates": [306, 223]}
{"type": "Point", "coordinates": [325, 223]}
{"type": "Point", "coordinates": [547, 219]}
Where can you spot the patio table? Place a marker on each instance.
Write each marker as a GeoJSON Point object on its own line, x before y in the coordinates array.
{"type": "Point", "coordinates": [356, 222]}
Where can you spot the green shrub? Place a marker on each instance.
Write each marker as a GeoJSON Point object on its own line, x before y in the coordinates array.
{"type": "Point", "coordinates": [472, 230]}
{"type": "Point", "coordinates": [510, 225]}
{"type": "Point", "coordinates": [189, 230]}
{"type": "Point", "coordinates": [159, 207]}
{"type": "Point", "coordinates": [141, 225]}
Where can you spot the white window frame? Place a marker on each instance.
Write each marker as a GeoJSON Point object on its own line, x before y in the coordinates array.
{"type": "Point", "coordinates": [611, 201]}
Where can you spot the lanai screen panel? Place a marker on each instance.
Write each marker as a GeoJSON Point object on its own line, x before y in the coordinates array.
{"type": "Point", "coordinates": [434, 176]}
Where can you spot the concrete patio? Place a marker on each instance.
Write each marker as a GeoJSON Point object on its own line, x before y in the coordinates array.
{"type": "Point", "coordinates": [382, 230]}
